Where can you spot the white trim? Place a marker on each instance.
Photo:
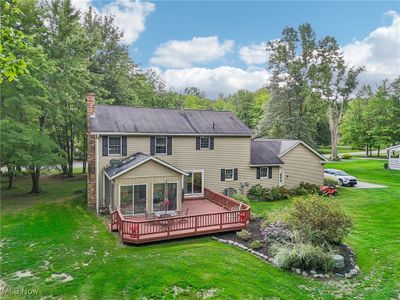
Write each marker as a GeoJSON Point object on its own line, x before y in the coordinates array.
{"type": "Point", "coordinates": [146, 160]}
{"type": "Point", "coordinates": [281, 175]}
{"type": "Point", "coordinates": [233, 174]}
{"type": "Point", "coordinates": [205, 137]}
{"type": "Point", "coordinates": [395, 147]}
{"type": "Point", "coordinates": [120, 146]}
{"type": "Point", "coordinates": [265, 177]}
{"type": "Point", "coordinates": [202, 183]}
{"type": "Point", "coordinates": [166, 145]}
{"type": "Point", "coordinates": [171, 134]}
{"type": "Point", "coordinates": [305, 145]}
{"type": "Point", "coordinates": [97, 173]}
{"type": "Point", "coordinates": [133, 196]}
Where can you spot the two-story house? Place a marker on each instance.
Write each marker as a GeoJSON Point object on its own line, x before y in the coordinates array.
{"type": "Point", "coordinates": [138, 157]}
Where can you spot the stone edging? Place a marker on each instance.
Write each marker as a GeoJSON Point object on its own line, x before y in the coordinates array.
{"type": "Point", "coordinates": [352, 273]}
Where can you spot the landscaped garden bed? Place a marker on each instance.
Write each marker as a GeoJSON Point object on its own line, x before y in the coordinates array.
{"type": "Point", "coordinates": [305, 239]}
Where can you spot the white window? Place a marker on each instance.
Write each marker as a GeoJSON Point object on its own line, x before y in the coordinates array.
{"type": "Point", "coordinates": [264, 172]}
{"type": "Point", "coordinates": [228, 174]}
{"type": "Point", "coordinates": [204, 142]}
{"type": "Point", "coordinates": [161, 145]}
{"type": "Point", "coordinates": [114, 145]}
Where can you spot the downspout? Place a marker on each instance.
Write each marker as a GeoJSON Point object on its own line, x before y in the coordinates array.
{"type": "Point", "coordinates": [97, 174]}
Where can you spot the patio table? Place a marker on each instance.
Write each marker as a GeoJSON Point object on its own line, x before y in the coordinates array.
{"type": "Point", "coordinates": [168, 214]}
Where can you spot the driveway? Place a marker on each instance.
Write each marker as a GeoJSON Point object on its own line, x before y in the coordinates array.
{"type": "Point", "coordinates": [366, 185]}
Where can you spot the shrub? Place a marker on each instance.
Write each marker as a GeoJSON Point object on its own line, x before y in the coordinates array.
{"type": "Point", "coordinates": [309, 187]}
{"type": "Point", "coordinates": [240, 197]}
{"type": "Point", "coordinates": [244, 235]}
{"type": "Point", "coordinates": [255, 245]}
{"type": "Point", "coordinates": [328, 181]}
{"type": "Point", "coordinates": [256, 192]}
{"type": "Point", "coordinates": [319, 220]}
{"type": "Point", "coordinates": [386, 165]}
{"type": "Point", "coordinates": [275, 216]}
{"type": "Point", "coordinates": [346, 156]}
{"type": "Point", "coordinates": [278, 231]}
{"type": "Point", "coordinates": [302, 255]}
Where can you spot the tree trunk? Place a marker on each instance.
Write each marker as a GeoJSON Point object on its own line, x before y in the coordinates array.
{"type": "Point", "coordinates": [10, 169]}
{"type": "Point", "coordinates": [64, 169]}
{"type": "Point", "coordinates": [379, 150]}
{"type": "Point", "coordinates": [35, 175]}
{"type": "Point", "coordinates": [84, 166]}
{"type": "Point", "coordinates": [334, 130]}
{"type": "Point", "coordinates": [366, 150]}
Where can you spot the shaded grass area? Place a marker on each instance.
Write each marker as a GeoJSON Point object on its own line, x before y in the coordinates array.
{"type": "Point", "coordinates": [54, 233]}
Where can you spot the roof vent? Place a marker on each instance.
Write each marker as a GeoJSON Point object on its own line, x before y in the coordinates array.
{"type": "Point", "coordinates": [116, 163]}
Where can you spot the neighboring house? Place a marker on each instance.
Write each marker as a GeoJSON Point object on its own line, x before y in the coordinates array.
{"type": "Point", "coordinates": [142, 159]}
{"type": "Point", "coordinates": [393, 157]}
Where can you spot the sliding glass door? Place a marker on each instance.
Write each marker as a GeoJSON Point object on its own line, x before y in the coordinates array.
{"type": "Point", "coordinates": [194, 183]}
{"type": "Point", "coordinates": [133, 199]}
{"type": "Point", "coordinates": [162, 192]}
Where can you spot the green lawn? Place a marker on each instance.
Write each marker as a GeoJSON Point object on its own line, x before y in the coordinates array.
{"type": "Point", "coordinates": [54, 233]}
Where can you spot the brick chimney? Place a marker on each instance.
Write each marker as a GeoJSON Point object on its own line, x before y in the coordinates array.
{"type": "Point", "coordinates": [91, 151]}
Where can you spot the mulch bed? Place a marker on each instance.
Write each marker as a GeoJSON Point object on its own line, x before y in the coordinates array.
{"type": "Point", "coordinates": [254, 228]}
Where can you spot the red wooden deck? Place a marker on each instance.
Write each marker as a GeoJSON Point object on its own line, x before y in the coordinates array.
{"type": "Point", "coordinates": [213, 213]}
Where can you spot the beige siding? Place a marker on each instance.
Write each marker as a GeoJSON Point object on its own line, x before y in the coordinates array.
{"type": "Point", "coordinates": [149, 173]}
{"type": "Point", "coordinates": [302, 165]}
{"type": "Point", "coordinates": [229, 152]}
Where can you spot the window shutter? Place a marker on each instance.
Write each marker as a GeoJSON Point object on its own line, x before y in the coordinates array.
{"type": "Point", "coordinates": [211, 143]}
{"type": "Point", "coordinates": [152, 145]}
{"type": "Point", "coordinates": [270, 172]}
{"type": "Point", "coordinates": [258, 173]}
{"type": "Point", "coordinates": [198, 143]}
{"type": "Point", "coordinates": [169, 145]}
{"type": "Point", "coordinates": [235, 174]}
{"type": "Point", "coordinates": [124, 146]}
{"type": "Point", "coordinates": [105, 145]}
{"type": "Point", "coordinates": [222, 174]}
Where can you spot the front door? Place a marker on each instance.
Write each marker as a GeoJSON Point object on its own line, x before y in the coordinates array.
{"type": "Point", "coordinates": [194, 183]}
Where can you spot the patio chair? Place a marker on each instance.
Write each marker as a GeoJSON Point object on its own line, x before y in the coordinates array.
{"type": "Point", "coordinates": [181, 214]}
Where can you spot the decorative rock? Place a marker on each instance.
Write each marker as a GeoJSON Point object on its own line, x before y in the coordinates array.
{"type": "Point", "coordinates": [326, 275]}
{"type": "Point", "coordinates": [338, 261]}
{"type": "Point", "coordinates": [339, 275]}
{"type": "Point", "coordinates": [315, 275]}
{"type": "Point", "coordinates": [298, 271]}
{"type": "Point", "coordinates": [313, 272]}
{"type": "Point", "coordinates": [353, 272]}
{"type": "Point", "coordinates": [304, 273]}
{"type": "Point", "coordinates": [347, 275]}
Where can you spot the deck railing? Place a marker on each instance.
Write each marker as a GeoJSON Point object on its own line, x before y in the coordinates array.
{"type": "Point", "coordinates": [236, 217]}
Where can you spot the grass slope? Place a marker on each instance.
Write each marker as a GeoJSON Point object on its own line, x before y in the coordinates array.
{"type": "Point", "coordinates": [53, 233]}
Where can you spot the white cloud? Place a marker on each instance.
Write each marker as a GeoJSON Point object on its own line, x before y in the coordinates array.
{"type": "Point", "coordinates": [254, 54]}
{"type": "Point", "coordinates": [129, 16]}
{"type": "Point", "coordinates": [184, 54]}
{"type": "Point", "coordinates": [212, 81]}
{"type": "Point", "coordinates": [379, 52]}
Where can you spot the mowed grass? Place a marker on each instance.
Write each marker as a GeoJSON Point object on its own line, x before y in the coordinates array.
{"type": "Point", "coordinates": [54, 233]}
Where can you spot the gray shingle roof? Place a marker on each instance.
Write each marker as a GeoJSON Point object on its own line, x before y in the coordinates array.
{"type": "Point", "coordinates": [266, 151]}
{"type": "Point", "coordinates": [138, 120]}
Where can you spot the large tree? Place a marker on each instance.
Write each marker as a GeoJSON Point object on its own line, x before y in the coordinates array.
{"type": "Point", "coordinates": [292, 110]}
{"type": "Point", "coordinates": [335, 83]}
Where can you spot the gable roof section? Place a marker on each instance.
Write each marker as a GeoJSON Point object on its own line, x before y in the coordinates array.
{"type": "Point", "coordinates": [116, 119]}
{"type": "Point", "coordinates": [270, 151]}
{"type": "Point", "coordinates": [134, 161]}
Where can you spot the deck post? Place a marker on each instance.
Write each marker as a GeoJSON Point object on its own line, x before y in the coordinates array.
{"type": "Point", "coordinates": [195, 224]}
{"type": "Point", "coordinates": [220, 220]}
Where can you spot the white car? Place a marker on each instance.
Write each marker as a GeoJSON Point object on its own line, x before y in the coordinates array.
{"type": "Point", "coordinates": [341, 177]}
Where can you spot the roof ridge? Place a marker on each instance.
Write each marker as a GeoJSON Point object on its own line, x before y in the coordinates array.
{"type": "Point", "coordinates": [165, 108]}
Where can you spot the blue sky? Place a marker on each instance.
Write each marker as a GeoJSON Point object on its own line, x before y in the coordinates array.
{"type": "Point", "coordinates": [218, 46]}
